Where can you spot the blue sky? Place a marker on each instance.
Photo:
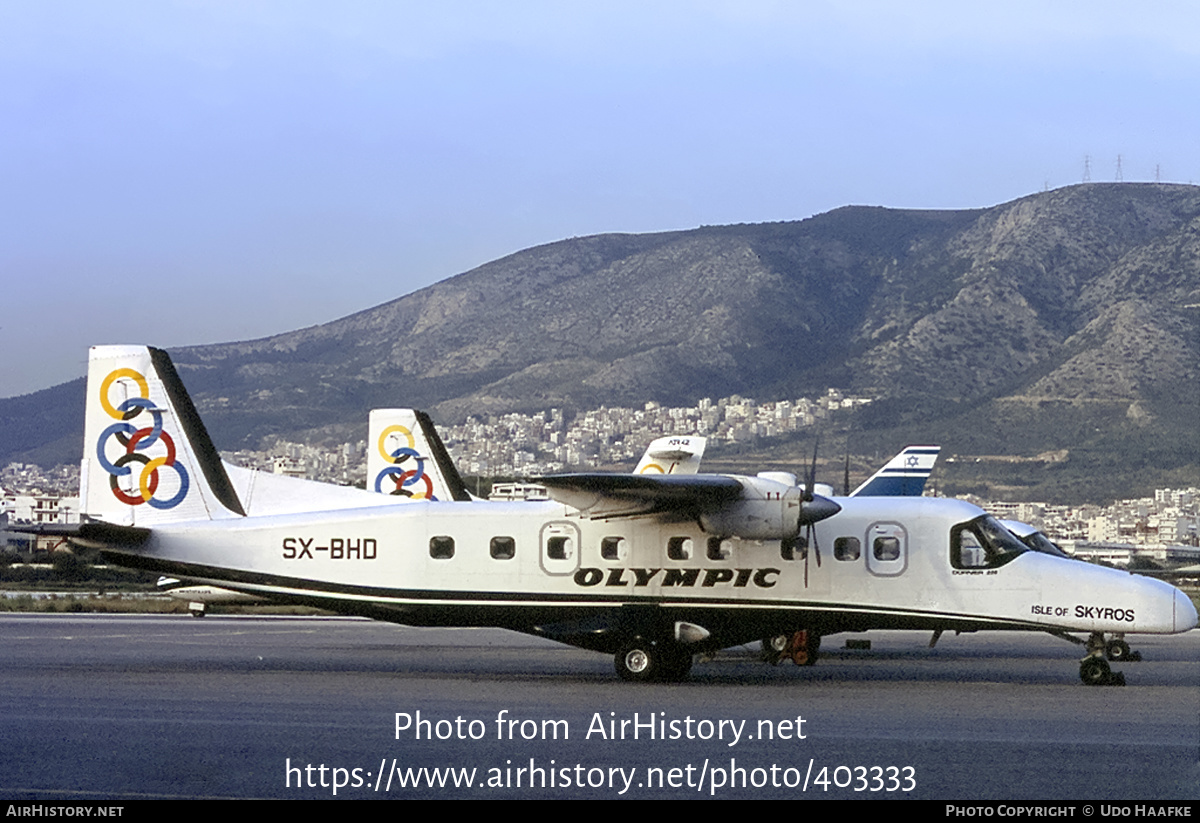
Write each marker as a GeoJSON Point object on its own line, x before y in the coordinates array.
{"type": "Point", "coordinates": [175, 173]}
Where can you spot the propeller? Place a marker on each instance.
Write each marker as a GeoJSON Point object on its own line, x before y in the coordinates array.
{"type": "Point", "coordinates": [813, 509]}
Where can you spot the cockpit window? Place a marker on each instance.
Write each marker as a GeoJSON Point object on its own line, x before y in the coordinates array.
{"type": "Point", "coordinates": [1041, 543]}
{"type": "Point", "coordinates": [983, 543]}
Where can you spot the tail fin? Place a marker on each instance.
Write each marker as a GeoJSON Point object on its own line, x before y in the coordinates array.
{"type": "Point", "coordinates": [406, 458]}
{"type": "Point", "coordinates": [672, 455]}
{"type": "Point", "coordinates": [902, 476]}
{"type": "Point", "coordinates": [147, 456]}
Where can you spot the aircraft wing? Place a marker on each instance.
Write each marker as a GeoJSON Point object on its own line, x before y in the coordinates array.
{"type": "Point", "coordinates": [616, 495]}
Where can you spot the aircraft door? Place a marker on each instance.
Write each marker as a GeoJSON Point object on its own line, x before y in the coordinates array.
{"type": "Point", "coordinates": [887, 549]}
{"type": "Point", "coordinates": [559, 548]}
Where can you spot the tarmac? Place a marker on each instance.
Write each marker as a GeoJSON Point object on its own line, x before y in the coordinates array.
{"type": "Point", "coordinates": [131, 707]}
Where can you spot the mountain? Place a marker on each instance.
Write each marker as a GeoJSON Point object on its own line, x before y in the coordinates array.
{"type": "Point", "coordinates": [1068, 319]}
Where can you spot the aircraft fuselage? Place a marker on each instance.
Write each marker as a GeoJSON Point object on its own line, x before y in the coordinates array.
{"type": "Point", "coordinates": [545, 569]}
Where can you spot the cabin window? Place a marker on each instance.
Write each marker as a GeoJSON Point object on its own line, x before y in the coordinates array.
{"type": "Point", "coordinates": [612, 548]}
{"type": "Point", "coordinates": [679, 548]}
{"type": "Point", "coordinates": [886, 548]}
{"type": "Point", "coordinates": [558, 548]}
{"type": "Point", "coordinates": [503, 548]}
{"type": "Point", "coordinates": [847, 548]}
{"type": "Point", "coordinates": [441, 547]}
{"type": "Point", "coordinates": [719, 549]}
{"type": "Point", "coordinates": [793, 548]}
{"type": "Point", "coordinates": [983, 544]}
{"type": "Point", "coordinates": [559, 553]}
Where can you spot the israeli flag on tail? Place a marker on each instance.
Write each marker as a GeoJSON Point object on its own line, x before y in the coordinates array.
{"type": "Point", "coordinates": [902, 476]}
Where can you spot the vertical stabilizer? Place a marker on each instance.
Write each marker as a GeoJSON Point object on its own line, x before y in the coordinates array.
{"type": "Point", "coordinates": [672, 455]}
{"type": "Point", "coordinates": [406, 458]}
{"type": "Point", "coordinates": [902, 476]}
{"type": "Point", "coordinates": [147, 457]}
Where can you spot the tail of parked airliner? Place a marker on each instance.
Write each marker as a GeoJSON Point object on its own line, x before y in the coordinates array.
{"type": "Point", "coordinates": [902, 476]}
{"type": "Point", "coordinates": [406, 458]}
{"type": "Point", "coordinates": [147, 457]}
{"type": "Point", "coordinates": [672, 455]}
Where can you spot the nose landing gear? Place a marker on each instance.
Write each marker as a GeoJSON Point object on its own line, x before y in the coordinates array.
{"type": "Point", "coordinates": [1117, 650]}
{"type": "Point", "coordinates": [1094, 669]}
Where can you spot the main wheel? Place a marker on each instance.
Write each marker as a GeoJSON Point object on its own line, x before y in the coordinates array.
{"type": "Point", "coordinates": [777, 643]}
{"type": "Point", "coordinates": [646, 661]}
{"type": "Point", "coordinates": [1094, 671]}
{"type": "Point", "coordinates": [806, 649]}
{"type": "Point", "coordinates": [637, 661]}
{"type": "Point", "coordinates": [1117, 650]}
{"type": "Point", "coordinates": [774, 648]}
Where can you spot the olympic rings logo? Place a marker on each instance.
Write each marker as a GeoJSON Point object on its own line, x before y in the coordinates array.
{"type": "Point", "coordinates": [136, 442]}
{"type": "Point", "coordinates": [403, 479]}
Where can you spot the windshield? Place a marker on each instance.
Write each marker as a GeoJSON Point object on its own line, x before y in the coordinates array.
{"type": "Point", "coordinates": [1041, 543]}
{"type": "Point", "coordinates": [983, 543]}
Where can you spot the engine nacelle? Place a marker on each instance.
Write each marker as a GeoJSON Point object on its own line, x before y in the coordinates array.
{"type": "Point", "coordinates": [768, 510]}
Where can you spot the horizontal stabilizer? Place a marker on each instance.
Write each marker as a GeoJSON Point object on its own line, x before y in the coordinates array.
{"type": "Point", "coordinates": [109, 534]}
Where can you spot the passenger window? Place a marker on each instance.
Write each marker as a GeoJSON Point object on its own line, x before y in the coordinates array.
{"type": "Point", "coordinates": [886, 548]}
{"type": "Point", "coordinates": [503, 548]}
{"type": "Point", "coordinates": [847, 548]}
{"type": "Point", "coordinates": [793, 548]}
{"type": "Point", "coordinates": [441, 547]}
{"type": "Point", "coordinates": [679, 548]}
{"type": "Point", "coordinates": [719, 549]}
{"type": "Point", "coordinates": [558, 548]}
{"type": "Point", "coordinates": [612, 548]}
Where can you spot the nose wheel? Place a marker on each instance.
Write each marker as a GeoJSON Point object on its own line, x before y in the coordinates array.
{"type": "Point", "coordinates": [1095, 671]}
{"type": "Point", "coordinates": [1117, 650]}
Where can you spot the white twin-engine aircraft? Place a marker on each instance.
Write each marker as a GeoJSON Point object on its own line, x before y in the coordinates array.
{"type": "Point", "coordinates": [651, 568]}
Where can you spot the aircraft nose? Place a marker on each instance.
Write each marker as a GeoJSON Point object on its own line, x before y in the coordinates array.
{"type": "Point", "coordinates": [1185, 612]}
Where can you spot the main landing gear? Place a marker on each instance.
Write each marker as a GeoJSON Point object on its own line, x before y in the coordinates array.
{"type": "Point", "coordinates": [801, 647]}
{"type": "Point", "coordinates": [640, 660]}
